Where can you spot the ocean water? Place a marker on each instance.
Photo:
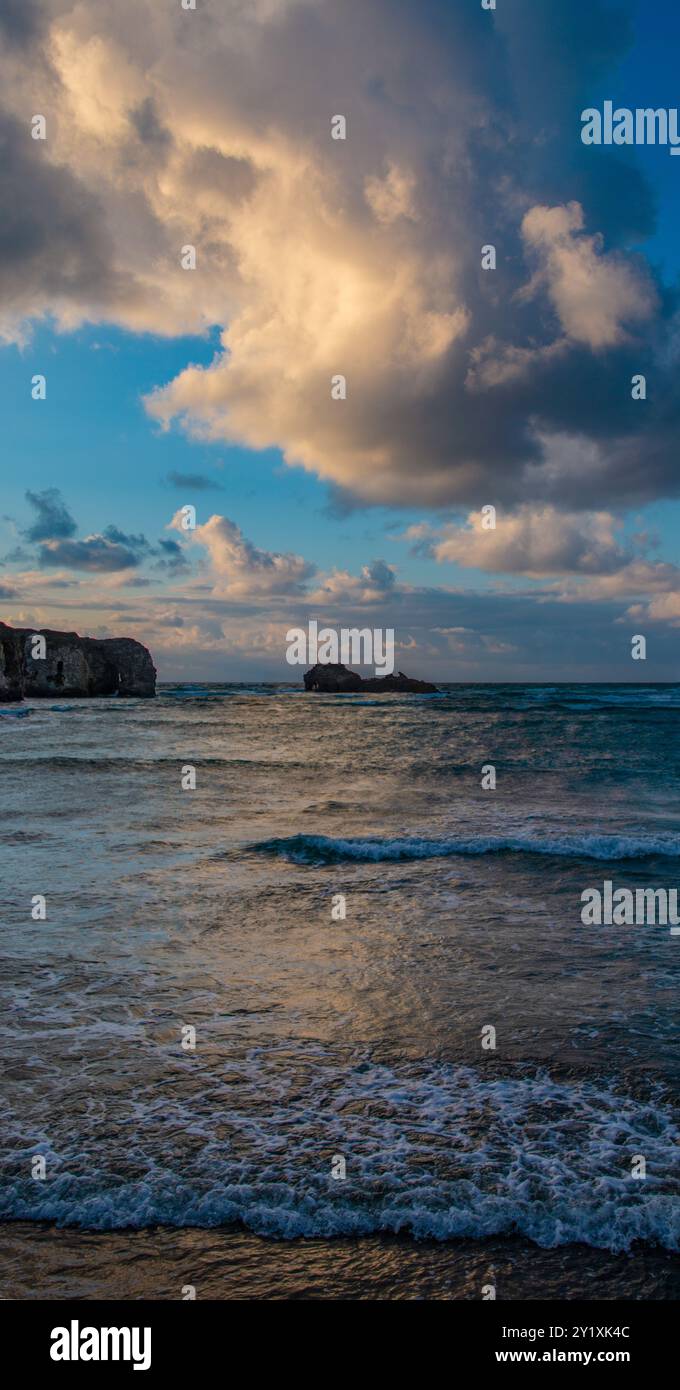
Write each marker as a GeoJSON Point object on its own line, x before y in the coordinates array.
{"type": "Point", "coordinates": [359, 1038]}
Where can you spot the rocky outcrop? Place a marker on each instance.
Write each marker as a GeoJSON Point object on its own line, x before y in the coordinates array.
{"type": "Point", "coordinates": [331, 679]}
{"type": "Point", "coordinates": [71, 666]}
{"type": "Point", "coordinates": [11, 669]}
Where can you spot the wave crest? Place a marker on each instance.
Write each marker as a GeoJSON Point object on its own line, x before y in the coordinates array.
{"type": "Point", "coordinates": [321, 849]}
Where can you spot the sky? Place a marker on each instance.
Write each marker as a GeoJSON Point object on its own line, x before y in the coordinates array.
{"type": "Point", "coordinates": [466, 388]}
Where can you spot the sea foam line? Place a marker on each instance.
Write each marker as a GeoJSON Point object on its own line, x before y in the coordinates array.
{"type": "Point", "coordinates": [321, 849]}
{"type": "Point", "coordinates": [432, 1149]}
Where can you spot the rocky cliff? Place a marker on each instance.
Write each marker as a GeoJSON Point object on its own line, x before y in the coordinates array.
{"type": "Point", "coordinates": [71, 666]}
{"type": "Point", "coordinates": [331, 679]}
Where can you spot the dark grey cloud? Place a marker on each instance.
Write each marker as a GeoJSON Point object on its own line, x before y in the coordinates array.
{"type": "Point", "coordinates": [148, 126]}
{"type": "Point", "coordinates": [20, 21]}
{"type": "Point", "coordinates": [96, 554]}
{"type": "Point", "coordinates": [139, 544]}
{"type": "Point", "coordinates": [110, 551]}
{"type": "Point", "coordinates": [198, 482]}
{"type": "Point", "coordinates": [55, 247]}
{"type": "Point", "coordinates": [53, 520]}
{"type": "Point", "coordinates": [379, 575]}
{"type": "Point", "coordinates": [173, 558]}
{"type": "Point", "coordinates": [106, 552]}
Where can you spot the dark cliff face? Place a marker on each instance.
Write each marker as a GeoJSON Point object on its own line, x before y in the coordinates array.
{"type": "Point", "coordinates": [333, 678]}
{"type": "Point", "coordinates": [72, 666]}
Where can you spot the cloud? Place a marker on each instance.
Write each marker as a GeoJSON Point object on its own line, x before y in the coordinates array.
{"type": "Point", "coordinates": [96, 553]}
{"type": "Point", "coordinates": [139, 543]}
{"type": "Point", "coordinates": [148, 127]}
{"type": "Point", "coordinates": [380, 575]}
{"type": "Point", "coordinates": [196, 482]}
{"type": "Point", "coordinates": [664, 608]}
{"type": "Point", "coordinates": [173, 558]}
{"type": "Point", "coordinates": [361, 257]}
{"type": "Point", "coordinates": [392, 196]}
{"type": "Point", "coordinates": [532, 542]}
{"type": "Point", "coordinates": [442, 633]}
{"type": "Point", "coordinates": [583, 556]}
{"type": "Point", "coordinates": [594, 295]}
{"type": "Point", "coordinates": [241, 568]}
{"type": "Point", "coordinates": [230, 621]}
{"type": "Point", "coordinates": [53, 519]}
{"type": "Point", "coordinates": [19, 21]}
{"type": "Point", "coordinates": [110, 551]}
{"type": "Point", "coordinates": [56, 251]}
{"type": "Point", "coordinates": [375, 584]}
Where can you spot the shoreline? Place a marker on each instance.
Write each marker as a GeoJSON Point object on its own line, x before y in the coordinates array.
{"type": "Point", "coordinates": [43, 1262]}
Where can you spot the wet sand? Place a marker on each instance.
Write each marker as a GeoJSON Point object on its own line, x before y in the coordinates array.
{"type": "Point", "coordinates": [42, 1262]}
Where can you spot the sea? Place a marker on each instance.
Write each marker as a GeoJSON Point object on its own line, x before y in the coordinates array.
{"type": "Point", "coordinates": [310, 1011]}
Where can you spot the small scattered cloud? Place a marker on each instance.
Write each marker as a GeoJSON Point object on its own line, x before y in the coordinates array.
{"type": "Point", "coordinates": [173, 558]}
{"type": "Point", "coordinates": [52, 517]}
{"type": "Point", "coordinates": [193, 482]}
{"type": "Point", "coordinates": [97, 554]}
{"type": "Point", "coordinates": [139, 543]}
{"type": "Point", "coordinates": [379, 575]}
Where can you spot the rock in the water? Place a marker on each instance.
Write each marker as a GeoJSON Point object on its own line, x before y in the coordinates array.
{"type": "Point", "coordinates": [331, 678]}
{"type": "Point", "coordinates": [72, 666]}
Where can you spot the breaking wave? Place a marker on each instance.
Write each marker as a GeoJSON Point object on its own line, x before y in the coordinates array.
{"type": "Point", "coordinates": [431, 1149]}
{"type": "Point", "coordinates": [320, 849]}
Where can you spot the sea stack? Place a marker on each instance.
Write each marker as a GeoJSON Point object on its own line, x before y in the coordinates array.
{"type": "Point", "coordinates": [330, 679]}
{"type": "Point", "coordinates": [71, 666]}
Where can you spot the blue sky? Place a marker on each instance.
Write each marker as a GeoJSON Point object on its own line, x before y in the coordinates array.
{"type": "Point", "coordinates": [399, 203]}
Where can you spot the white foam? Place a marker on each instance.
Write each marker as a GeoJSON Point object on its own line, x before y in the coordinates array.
{"type": "Point", "coordinates": [434, 1150]}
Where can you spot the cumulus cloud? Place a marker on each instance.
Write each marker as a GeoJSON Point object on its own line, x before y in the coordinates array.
{"type": "Point", "coordinates": [360, 257]}
{"type": "Point", "coordinates": [380, 575]}
{"type": "Point", "coordinates": [663, 608]}
{"type": "Point", "coordinates": [580, 556]}
{"type": "Point", "coordinates": [243, 600]}
{"type": "Point", "coordinates": [594, 295]}
{"type": "Point", "coordinates": [242, 569]}
{"type": "Point", "coordinates": [376, 584]}
{"type": "Point", "coordinates": [533, 542]}
{"type": "Point", "coordinates": [392, 196]}
{"type": "Point", "coordinates": [56, 253]}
